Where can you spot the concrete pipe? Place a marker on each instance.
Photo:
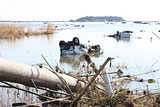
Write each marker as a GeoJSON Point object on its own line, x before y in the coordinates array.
{"type": "Point", "coordinates": [16, 72]}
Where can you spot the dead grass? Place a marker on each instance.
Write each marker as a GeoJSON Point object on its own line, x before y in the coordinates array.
{"type": "Point", "coordinates": [12, 31]}
{"type": "Point", "coordinates": [9, 31]}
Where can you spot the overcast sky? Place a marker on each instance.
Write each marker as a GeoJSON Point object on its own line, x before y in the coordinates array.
{"type": "Point", "coordinates": [72, 9]}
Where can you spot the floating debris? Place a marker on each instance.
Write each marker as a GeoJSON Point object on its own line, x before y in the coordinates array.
{"type": "Point", "coordinates": [138, 37]}
{"type": "Point", "coordinates": [145, 23]}
{"type": "Point", "coordinates": [151, 80]}
{"type": "Point", "coordinates": [127, 31]}
{"type": "Point", "coordinates": [140, 80]}
{"type": "Point", "coordinates": [124, 22]}
{"type": "Point", "coordinates": [76, 25]}
{"type": "Point", "coordinates": [142, 30]}
{"type": "Point", "coordinates": [125, 34]}
{"type": "Point", "coordinates": [137, 22]}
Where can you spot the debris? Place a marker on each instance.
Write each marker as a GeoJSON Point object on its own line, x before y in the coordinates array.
{"type": "Point", "coordinates": [156, 35]}
{"type": "Point", "coordinates": [151, 39]}
{"type": "Point", "coordinates": [87, 58]}
{"type": "Point", "coordinates": [75, 101]}
{"type": "Point", "coordinates": [74, 47]}
{"type": "Point", "coordinates": [119, 72]}
{"type": "Point", "coordinates": [124, 34]}
{"type": "Point", "coordinates": [94, 93]}
{"type": "Point", "coordinates": [138, 22]}
{"type": "Point", "coordinates": [76, 25]}
{"type": "Point", "coordinates": [18, 104]}
{"type": "Point", "coordinates": [108, 84]}
{"type": "Point", "coordinates": [124, 22]}
{"type": "Point", "coordinates": [158, 99]}
{"type": "Point", "coordinates": [127, 31]}
{"type": "Point", "coordinates": [142, 30]}
{"type": "Point", "coordinates": [121, 66]}
{"type": "Point", "coordinates": [145, 23]}
{"type": "Point", "coordinates": [139, 80]}
{"type": "Point", "coordinates": [94, 48]}
{"type": "Point", "coordinates": [138, 38]}
{"type": "Point", "coordinates": [151, 80]}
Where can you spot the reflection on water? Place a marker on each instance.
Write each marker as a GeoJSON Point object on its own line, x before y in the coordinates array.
{"type": "Point", "coordinates": [11, 95]}
{"type": "Point", "coordinates": [73, 60]}
{"type": "Point", "coordinates": [123, 39]}
{"type": "Point", "coordinates": [96, 54]}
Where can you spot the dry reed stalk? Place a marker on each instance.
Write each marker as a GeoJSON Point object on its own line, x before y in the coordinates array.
{"type": "Point", "coordinates": [10, 85]}
{"type": "Point", "coordinates": [29, 32]}
{"type": "Point", "coordinates": [50, 29]}
{"type": "Point", "coordinates": [60, 78]}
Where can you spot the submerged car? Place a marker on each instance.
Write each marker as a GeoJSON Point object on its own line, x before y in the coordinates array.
{"type": "Point", "coordinates": [124, 34]}
{"type": "Point", "coordinates": [74, 47]}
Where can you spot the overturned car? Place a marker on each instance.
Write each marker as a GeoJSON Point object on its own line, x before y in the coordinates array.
{"type": "Point", "coordinates": [74, 47]}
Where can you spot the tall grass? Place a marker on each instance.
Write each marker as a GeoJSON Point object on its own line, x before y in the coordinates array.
{"type": "Point", "coordinates": [9, 31]}
{"type": "Point", "coordinates": [13, 31]}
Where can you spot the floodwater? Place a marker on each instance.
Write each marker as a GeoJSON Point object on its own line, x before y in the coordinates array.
{"type": "Point", "coordinates": [139, 54]}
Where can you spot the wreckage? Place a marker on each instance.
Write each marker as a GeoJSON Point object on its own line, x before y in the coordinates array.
{"type": "Point", "coordinates": [74, 89]}
{"type": "Point", "coordinates": [124, 34]}
{"type": "Point", "coordinates": [74, 47]}
{"type": "Point", "coordinates": [43, 77]}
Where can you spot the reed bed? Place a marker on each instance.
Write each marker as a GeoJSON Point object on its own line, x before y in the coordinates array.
{"type": "Point", "coordinates": [8, 31]}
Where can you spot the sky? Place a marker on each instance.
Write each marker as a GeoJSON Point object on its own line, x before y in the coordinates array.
{"type": "Point", "coordinates": [64, 10]}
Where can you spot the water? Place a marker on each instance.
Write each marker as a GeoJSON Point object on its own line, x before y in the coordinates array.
{"type": "Point", "coordinates": [139, 54]}
{"type": "Point", "coordinates": [131, 52]}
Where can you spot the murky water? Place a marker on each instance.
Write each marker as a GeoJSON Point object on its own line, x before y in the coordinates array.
{"type": "Point", "coordinates": [140, 53]}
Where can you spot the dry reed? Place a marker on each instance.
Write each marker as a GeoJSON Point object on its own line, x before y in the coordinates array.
{"type": "Point", "coordinates": [9, 31]}
{"type": "Point", "coordinates": [49, 29]}
{"type": "Point", "coordinates": [12, 31]}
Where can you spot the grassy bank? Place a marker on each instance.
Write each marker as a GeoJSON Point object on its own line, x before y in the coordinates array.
{"type": "Point", "coordinates": [12, 31]}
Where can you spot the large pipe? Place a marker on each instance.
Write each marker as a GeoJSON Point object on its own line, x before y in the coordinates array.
{"type": "Point", "coordinates": [16, 72]}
